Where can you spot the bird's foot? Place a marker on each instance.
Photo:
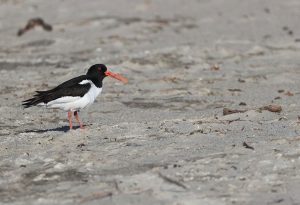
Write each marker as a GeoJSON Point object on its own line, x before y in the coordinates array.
{"type": "Point", "coordinates": [78, 120]}
{"type": "Point", "coordinates": [82, 126]}
{"type": "Point", "coordinates": [70, 119]}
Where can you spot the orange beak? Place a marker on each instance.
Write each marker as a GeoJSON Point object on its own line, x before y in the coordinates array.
{"type": "Point", "coordinates": [116, 76]}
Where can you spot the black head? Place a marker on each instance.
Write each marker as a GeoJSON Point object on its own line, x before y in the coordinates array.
{"type": "Point", "coordinates": [98, 72]}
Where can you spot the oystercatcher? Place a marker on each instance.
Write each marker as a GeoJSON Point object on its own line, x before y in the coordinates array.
{"type": "Point", "coordinates": [74, 94]}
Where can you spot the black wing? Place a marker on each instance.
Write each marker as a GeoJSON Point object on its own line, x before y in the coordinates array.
{"type": "Point", "coordinates": [70, 83]}
{"type": "Point", "coordinates": [68, 88]}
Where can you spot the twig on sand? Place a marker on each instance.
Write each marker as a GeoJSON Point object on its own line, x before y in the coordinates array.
{"type": "Point", "coordinates": [117, 186]}
{"type": "Point", "coordinates": [247, 146]}
{"type": "Point", "coordinates": [94, 196]}
{"type": "Point", "coordinates": [172, 181]}
{"type": "Point", "coordinates": [227, 111]}
{"type": "Point", "coordinates": [270, 108]}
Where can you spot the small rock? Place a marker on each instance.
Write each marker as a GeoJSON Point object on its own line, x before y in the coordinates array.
{"type": "Point", "coordinates": [80, 145]}
{"type": "Point", "coordinates": [272, 108]}
{"type": "Point", "coordinates": [288, 93]}
{"type": "Point", "coordinates": [242, 104]}
{"type": "Point", "coordinates": [215, 67]}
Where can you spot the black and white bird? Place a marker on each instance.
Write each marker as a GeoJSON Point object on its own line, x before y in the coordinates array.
{"type": "Point", "coordinates": [75, 94]}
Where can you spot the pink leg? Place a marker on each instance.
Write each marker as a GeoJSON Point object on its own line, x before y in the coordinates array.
{"type": "Point", "coordinates": [78, 120]}
{"type": "Point", "coordinates": [70, 119]}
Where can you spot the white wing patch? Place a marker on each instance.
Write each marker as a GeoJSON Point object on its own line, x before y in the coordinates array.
{"type": "Point", "coordinates": [86, 82]}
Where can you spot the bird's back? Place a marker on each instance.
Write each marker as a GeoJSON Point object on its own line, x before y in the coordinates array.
{"type": "Point", "coordinates": [65, 92]}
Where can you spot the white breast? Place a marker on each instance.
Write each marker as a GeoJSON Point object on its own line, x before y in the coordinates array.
{"type": "Point", "coordinates": [76, 103]}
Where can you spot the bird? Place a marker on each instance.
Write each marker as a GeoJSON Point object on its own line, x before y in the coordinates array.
{"type": "Point", "coordinates": [74, 94]}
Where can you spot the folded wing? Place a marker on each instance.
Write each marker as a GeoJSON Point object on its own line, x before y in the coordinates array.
{"type": "Point", "coordinates": [64, 93]}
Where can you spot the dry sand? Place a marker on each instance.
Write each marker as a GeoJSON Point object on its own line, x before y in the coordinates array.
{"type": "Point", "coordinates": [161, 139]}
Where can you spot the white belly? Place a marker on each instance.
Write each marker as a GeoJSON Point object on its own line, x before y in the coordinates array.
{"type": "Point", "coordinates": [75, 103]}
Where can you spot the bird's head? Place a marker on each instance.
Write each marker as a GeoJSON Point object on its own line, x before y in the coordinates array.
{"type": "Point", "coordinates": [100, 71]}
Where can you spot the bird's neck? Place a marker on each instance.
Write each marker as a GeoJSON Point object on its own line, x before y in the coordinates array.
{"type": "Point", "coordinates": [97, 82]}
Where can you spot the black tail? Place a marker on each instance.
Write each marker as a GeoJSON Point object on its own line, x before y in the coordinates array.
{"type": "Point", "coordinates": [38, 98]}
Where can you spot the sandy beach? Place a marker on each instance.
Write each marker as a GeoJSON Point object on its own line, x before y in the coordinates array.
{"type": "Point", "coordinates": [191, 127]}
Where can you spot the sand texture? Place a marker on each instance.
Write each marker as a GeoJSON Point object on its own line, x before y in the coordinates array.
{"type": "Point", "coordinates": [190, 128]}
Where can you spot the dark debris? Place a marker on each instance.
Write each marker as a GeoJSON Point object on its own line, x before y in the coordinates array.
{"type": "Point", "coordinates": [33, 23]}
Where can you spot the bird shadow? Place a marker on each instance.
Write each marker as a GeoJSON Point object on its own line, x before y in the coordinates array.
{"type": "Point", "coordinates": [57, 129]}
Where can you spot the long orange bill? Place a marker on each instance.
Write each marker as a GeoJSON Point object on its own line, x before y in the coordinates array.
{"type": "Point", "coordinates": [116, 76]}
